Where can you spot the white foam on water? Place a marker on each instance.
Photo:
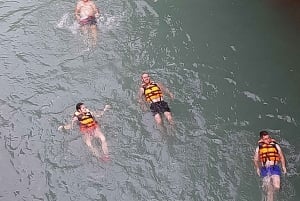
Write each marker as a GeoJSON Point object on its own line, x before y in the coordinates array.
{"type": "Point", "coordinates": [107, 21]}
{"type": "Point", "coordinates": [63, 21]}
{"type": "Point", "coordinates": [142, 7]}
{"type": "Point", "coordinates": [74, 27]}
{"type": "Point", "coordinates": [66, 22]}
{"type": "Point", "coordinates": [252, 96]}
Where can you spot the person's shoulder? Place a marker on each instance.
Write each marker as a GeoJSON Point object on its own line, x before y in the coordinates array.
{"type": "Point", "coordinates": [75, 115]}
{"type": "Point", "coordinates": [142, 86]}
{"type": "Point", "coordinates": [277, 146]}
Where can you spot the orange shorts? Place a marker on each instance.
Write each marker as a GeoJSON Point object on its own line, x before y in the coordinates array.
{"type": "Point", "coordinates": [89, 129]}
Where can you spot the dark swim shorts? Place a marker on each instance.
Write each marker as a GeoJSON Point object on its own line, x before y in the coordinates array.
{"type": "Point", "coordinates": [88, 21]}
{"type": "Point", "coordinates": [159, 107]}
{"type": "Point", "coordinates": [268, 171]}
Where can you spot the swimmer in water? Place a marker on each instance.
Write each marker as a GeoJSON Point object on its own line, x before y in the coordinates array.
{"type": "Point", "coordinates": [268, 155]}
{"type": "Point", "coordinates": [86, 13]}
{"type": "Point", "coordinates": [89, 128]}
{"type": "Point", "coordinates": [153, 93]}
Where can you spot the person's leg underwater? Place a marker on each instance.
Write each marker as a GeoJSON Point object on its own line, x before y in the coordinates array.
{"type": "Point", "coordinates": [87, 138]}
{"type": "Point", "coordinates": [102, 139]}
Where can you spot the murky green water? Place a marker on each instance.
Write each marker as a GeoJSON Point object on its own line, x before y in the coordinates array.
{"type": "Point", "coordinates": [232, 65]}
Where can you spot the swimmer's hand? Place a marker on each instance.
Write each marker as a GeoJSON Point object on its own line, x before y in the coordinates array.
{"type": "Point", "coordinates": [107, 107]}
{"type": "Point", "coordinates": [258, 171]}
{"type": "Point", "coordinates": [66, 127]}
{"type": "Point", "coordinates": [171, 96]}
{"type": "Point", "coordinates": [284, 170]}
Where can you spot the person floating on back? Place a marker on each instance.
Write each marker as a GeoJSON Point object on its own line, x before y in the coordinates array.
{"type": "Point", "coordinates": [268, 155]}
{"type": "Point", "coordinates": [152, 92]}
{"type": "Point", "coordinates": [89, 128]}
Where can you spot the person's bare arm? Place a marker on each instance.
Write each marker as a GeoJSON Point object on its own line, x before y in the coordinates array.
{"type": "Point", "coordinates": [256, 161]}
{"type": "Point", "coordinates": [74, 119]}
{"type": "Point", "coordinates": [141, 99]}
{"type": "Point", "coordinates": [282, 158]}
{"type": "Point", "coordinates": [99, 114]}
{"type": "Point", "coordinates": [77, 11]}
{"type": "Point", "coordinates": [140, 94]}
{"type": "Point", "coordinates": [165, 90]}
{"type": "Point", "coordinates": [68, 126]}
{"type": "Point", "coordinates": [96, 10]}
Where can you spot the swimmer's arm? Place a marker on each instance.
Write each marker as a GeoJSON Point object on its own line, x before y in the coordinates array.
{"type": "Point", "coordinates": [166, 90]}
{"type": "Point", "coordinates": [256, 161]}
{"type": "Point", "coordinates": [282, 158]}
{"type": "Point", "coordinates": [141, 99]}
{"type": "Point", "coordinates": [96, 10]}
{"type": "Point", "coordinates": [71, 125]}
{"type": "Point", "coordinates": [74, 119]}
{"type": "Point", "coordinates": [99, 114]}
{"type": "Point", "coordinates": [68, 126]}
{"type": "Point", "coordinates": [77, 12]}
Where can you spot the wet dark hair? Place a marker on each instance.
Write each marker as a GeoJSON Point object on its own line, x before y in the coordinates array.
{"type": "Point", "coordinates": [78, 106]}
{"type": "Point", "coordinates": [263, 133]}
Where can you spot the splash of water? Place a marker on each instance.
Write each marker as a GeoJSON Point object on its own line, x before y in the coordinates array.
{"type": "Point", "coordinates": [66, 22]}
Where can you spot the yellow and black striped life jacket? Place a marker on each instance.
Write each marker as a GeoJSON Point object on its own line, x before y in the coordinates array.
{"type": "Point", "coordinates": [85, 120]}
{"type": "Point", "coordinates": [268, 152]}
{"type": "Point", "coordinates": [152, 91]}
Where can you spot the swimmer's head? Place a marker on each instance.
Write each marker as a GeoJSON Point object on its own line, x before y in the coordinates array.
{"type": "Point", "coordinates": [263, 133]}
{"type": "Point", "coordinates": [78, 106]}
{"type": "Point", "coordinates": [145, 78]}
